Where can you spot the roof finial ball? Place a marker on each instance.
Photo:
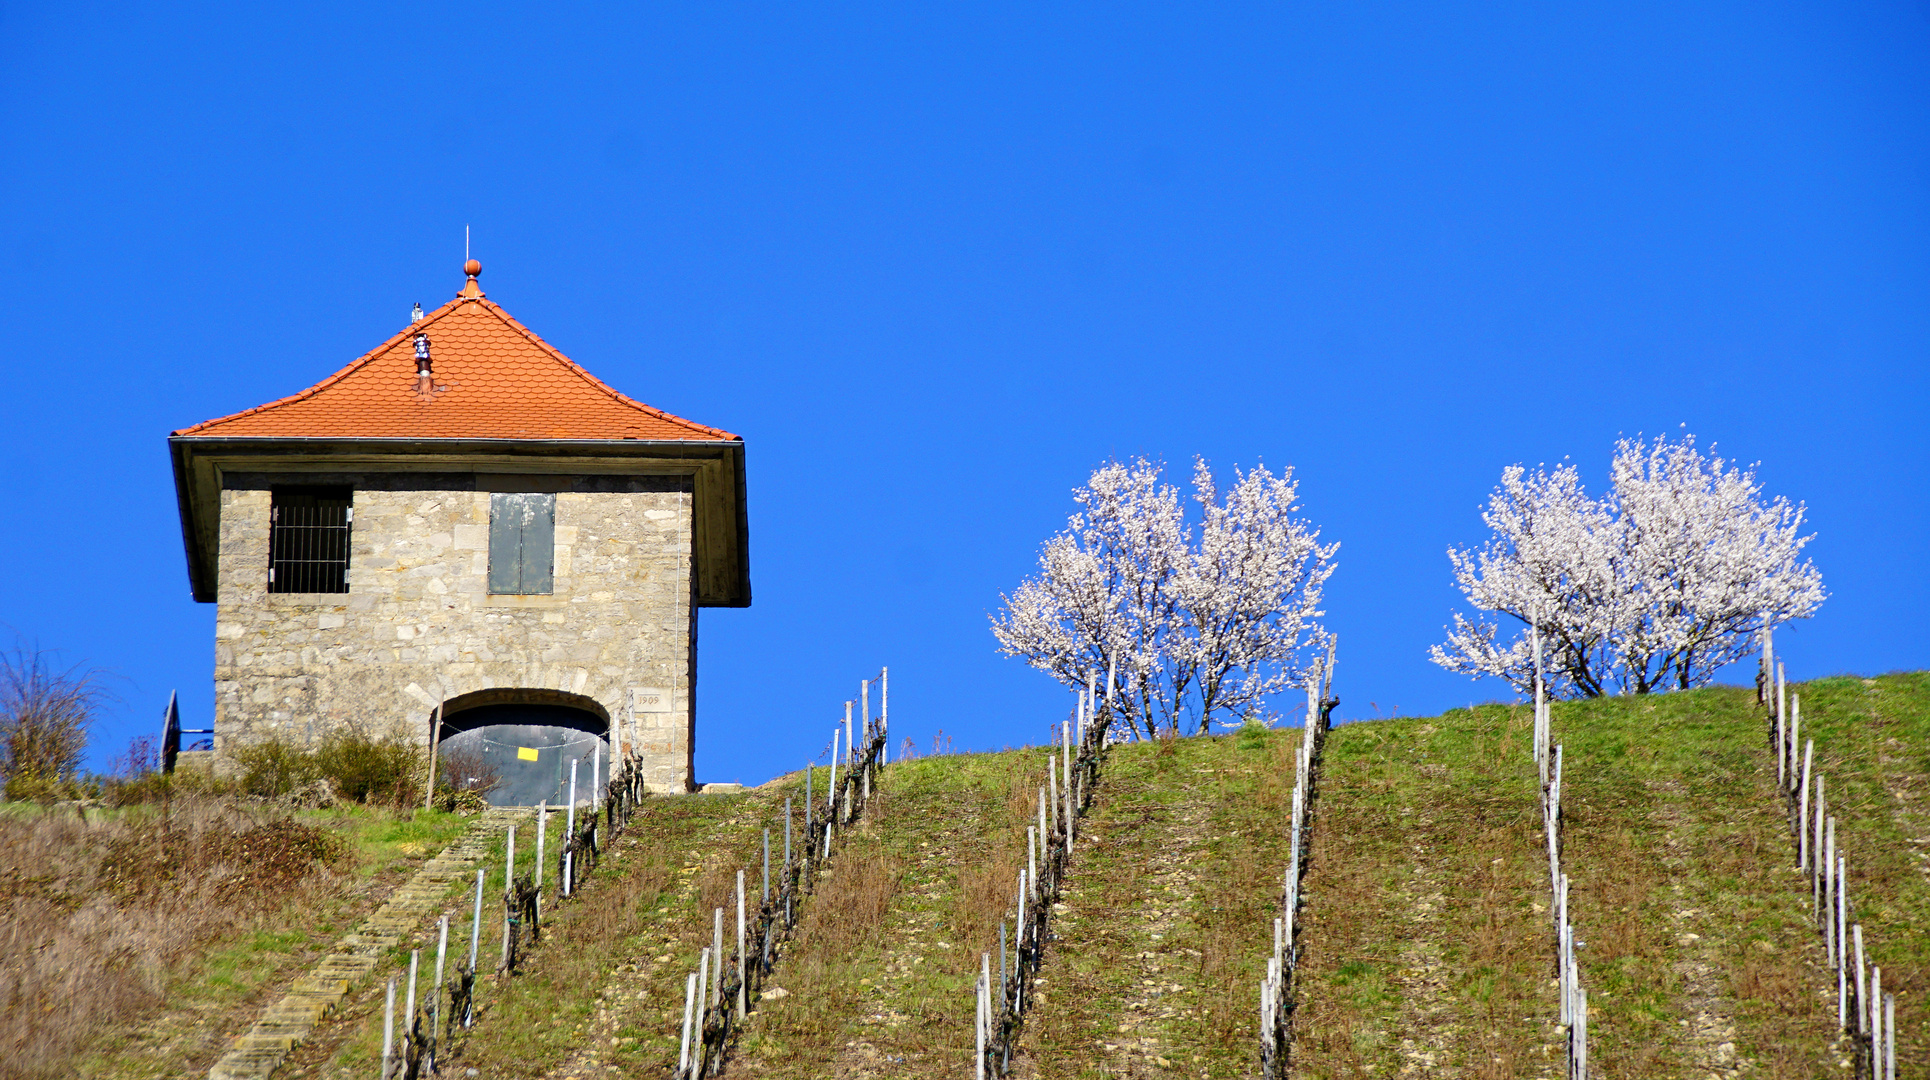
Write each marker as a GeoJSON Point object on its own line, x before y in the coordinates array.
{"type": "Point", "coordinates": [472, 268]}
{"type": "Point", "coordinates": [470, 289]}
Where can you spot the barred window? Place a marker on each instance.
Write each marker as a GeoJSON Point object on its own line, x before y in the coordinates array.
{"type": "Point", "coordinates": [522, 543]}
{"type": "Point", "coordinates": [308, 539]}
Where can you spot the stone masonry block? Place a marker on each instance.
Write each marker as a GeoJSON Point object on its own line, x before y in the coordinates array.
{"type": "Point", "coordinates": [418, 614]}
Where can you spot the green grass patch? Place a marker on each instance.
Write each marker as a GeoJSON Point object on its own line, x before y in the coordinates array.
{"type": "Point", "coordinates": [1424, 942]}
{"type": "Point", "coordinates": [1168, 911]}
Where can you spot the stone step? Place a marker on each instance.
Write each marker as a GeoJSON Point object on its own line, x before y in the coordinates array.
{"type": "Point", "coordinates": [256, 1054]}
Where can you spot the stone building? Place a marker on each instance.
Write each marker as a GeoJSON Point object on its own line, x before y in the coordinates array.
{"type": "Point", "coordinates": [464, 519]}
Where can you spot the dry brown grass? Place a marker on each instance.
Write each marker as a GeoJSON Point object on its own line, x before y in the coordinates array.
{"type": "Point", "coordinates": [609, 911]}
{"type": "Point", "coordinates": [98, 915]}
{"type": "Point", "coordinates": [988, 886]}
{"type": "Point", "coordinates": [843, 918]}
{"type": "Point", "coordinates": [848, 910]}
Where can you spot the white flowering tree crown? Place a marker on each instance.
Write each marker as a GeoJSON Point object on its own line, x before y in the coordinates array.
{"type": "Point", "coordinates": [1195, 621]}
{"type": "Point", "coordinates": [1656, 586]}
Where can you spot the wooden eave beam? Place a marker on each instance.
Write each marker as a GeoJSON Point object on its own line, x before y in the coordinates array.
{"type": "Point", "coordinates": [720, 525]}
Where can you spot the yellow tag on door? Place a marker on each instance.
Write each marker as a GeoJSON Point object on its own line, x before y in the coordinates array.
{"type": "Point", "coordinates": [525, 753]}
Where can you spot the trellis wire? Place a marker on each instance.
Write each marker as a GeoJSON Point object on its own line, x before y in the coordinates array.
{"type": "Point", "coordinates": [721, 994]}
{"type": "Point", "coordinates": [1863, 1010]}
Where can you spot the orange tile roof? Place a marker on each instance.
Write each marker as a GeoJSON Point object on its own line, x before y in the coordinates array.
{"type": "Point", "coordinates": [494, 379]}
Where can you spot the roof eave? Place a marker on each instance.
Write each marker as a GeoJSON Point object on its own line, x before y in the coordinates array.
{"type": "Point", "coordinates": [200, 583]}
{"type": "Point", "coordinates": [720, 519]}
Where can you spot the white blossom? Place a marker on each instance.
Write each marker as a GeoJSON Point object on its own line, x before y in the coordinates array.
{"type": "Point", "coordinates": [1656, 586]}
{"type": "Point", "coordinates": [1193, 631]}
{"type": "Point", "coordinates": [1707, 560]}
{"type": "Point", "coordinates": [1549, 561]}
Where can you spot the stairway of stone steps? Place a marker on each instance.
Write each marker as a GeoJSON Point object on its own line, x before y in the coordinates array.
{"type": "Point", "coordinates": [256, 1054]}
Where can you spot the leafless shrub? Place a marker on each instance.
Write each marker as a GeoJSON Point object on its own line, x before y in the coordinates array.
{"type": "Point", "coordinates": [465, 771]}
{"type": "Point", "coordinates": [1168, 742]}
{"type": "Point", "coordinates": [45, 712]}
{"type": "Point", "coordinates": [140, 758]}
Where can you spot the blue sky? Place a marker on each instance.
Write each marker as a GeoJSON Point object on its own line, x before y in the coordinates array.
{"type": "Point", "coordinates": [935, 263]}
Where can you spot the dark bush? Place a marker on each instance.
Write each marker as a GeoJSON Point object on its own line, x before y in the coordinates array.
{"type": "Point", "coordinates": [384, 771]}
{"type": "Point", "coordinates": [273, 768]}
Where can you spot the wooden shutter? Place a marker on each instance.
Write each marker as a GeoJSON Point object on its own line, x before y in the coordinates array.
{"type": "Point", "coordinates": [522, 543]}
{"type": "Point", "coordinates": [539, 543]}
{"type": "Point", "coordinates": [505, 544]}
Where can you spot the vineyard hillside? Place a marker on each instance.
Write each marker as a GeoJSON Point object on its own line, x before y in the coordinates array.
{"type": "Point", "coordinates": [1425, 945]}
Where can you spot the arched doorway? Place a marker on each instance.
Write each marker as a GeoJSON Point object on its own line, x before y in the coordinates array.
{"type": "Point", "coordinates": [517, 746]}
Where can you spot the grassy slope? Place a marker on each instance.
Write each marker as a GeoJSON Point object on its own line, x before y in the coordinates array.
{"type": "Point", "coordinates": [1166, 919]}
{"type": "Point", "coordinates": [651, 897]}
{"type": "Point", "coordinates": [1425, 943]}
{"type": "Point", "coordinates": [878, 981]}
{"type": "Point", "coordinates": [1873, 742]}
{"type": "Point", "coordinates": [349, 1038]}
{"type": "Point", "coordinates": [1699, 954]}
{"type": "Point", "coordinates": [220, 995]}
{"type": "Point", "coordinates": [1700, 957]}
{"type": "Point", "coordinates": [606, 987]}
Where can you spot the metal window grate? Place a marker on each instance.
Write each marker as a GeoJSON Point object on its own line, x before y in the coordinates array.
{"type": "Point", "coordinates": [308, 540]}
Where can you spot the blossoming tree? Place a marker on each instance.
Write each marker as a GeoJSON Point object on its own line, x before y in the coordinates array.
{"type": "Point", "coordinates": [1653, 587]}
{"type": "Point", "coordinates": [1193, 621]}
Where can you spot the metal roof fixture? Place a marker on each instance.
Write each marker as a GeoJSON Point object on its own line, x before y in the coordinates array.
{"type": "Point", "coordinates": [416, 315]}
{"type": "Point", "coordinates": [424, 382]}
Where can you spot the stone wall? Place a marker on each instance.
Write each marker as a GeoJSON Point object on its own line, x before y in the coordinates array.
{"type": "Point", "coordinates": [418, 625]}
